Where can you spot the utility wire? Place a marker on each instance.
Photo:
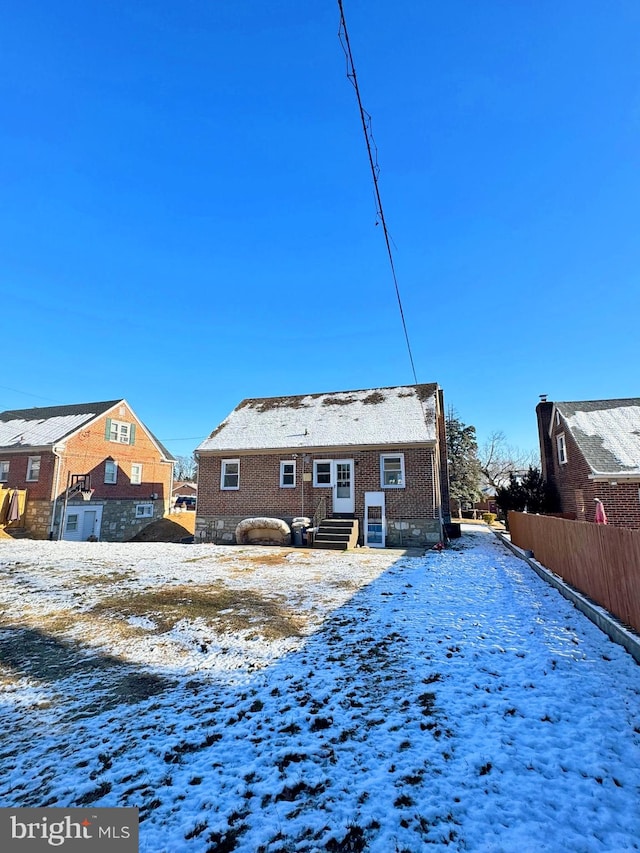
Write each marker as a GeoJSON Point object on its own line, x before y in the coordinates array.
{"type": "Point", "coordinates": [372, 151]}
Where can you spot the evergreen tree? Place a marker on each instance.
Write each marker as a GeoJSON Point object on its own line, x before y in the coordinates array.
{"type": "Point", "coordinates": [529, 493]}
{"type": "Point", "coordinates": [462, 457]}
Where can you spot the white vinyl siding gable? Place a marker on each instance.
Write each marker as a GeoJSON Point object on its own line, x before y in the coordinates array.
{"type": "Point", "coordinates": [230, 475]}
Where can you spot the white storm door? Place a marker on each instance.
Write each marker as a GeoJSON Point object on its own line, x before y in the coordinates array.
{"type": "Point", "coordinates": [375, 521]}
{"type": "Point", "coordinates": [343, 491]}
{"type": "Point", "coordinates": [88, 523]}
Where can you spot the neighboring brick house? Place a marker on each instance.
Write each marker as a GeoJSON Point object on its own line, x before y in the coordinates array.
{"type": "Point", "coordinates": [376, 455]}
{"type": "Point", "coordinates": [185, 489]}
{"type": "Point", "coordinates": [45, 450]}
{"type": "Point", "coordinates": [591, 450]}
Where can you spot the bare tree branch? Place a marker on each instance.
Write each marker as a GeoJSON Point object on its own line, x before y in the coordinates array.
{"type": "Point", "coordinates": [498, 459]}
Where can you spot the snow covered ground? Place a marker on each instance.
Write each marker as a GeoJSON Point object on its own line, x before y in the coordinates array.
{"type": "Point", "coordinates": [265, 700]}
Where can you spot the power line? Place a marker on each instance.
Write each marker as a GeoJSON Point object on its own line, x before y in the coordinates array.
{"type": "Point", "coordinates": [372, 151]}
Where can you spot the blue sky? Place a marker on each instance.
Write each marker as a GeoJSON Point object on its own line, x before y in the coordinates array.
{"type": "Point", "coordinates": [187, 216]}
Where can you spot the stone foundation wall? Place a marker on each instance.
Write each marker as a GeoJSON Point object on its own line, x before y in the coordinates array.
{"type": "Point", "coordinates": [412, 532]}
{"type": "Point", "coordinates": [119, 522]}
{"type": "Point", "coordinates": [37, 516]}
{"type": "Point", "coordinates": [221, 530]}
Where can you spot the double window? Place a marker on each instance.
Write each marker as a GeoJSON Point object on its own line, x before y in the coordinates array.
{"type": "Point", "coordinates": [33, 469]}
{"type": "Point", "coordinates": [4, 472]}
{"type": "Point", "coordinates": [111, 471]}
{"type": "Point", "coordinates": [392, 471]}
{"type": "Point", "coordinates": [287, 475]}
{"type": "Point", "coordinates": [120, 431]}
{"type": "Point", "coordinates": [230, 474]}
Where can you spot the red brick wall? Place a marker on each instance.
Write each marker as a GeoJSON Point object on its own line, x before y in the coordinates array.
{"type": "Point", "coordinates": [260, 492]}
{"type": "Point", "coordinates": [40, 490]}
{"type": "Point", "coordinates": [570, 476]}
{"type": "Point", "coordinates": [621, 502]}
{"type": "Point", "coordinates": [86, 453]}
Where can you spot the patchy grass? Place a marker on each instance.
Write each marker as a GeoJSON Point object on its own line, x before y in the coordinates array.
{"type": "Point", "coordinates": [228, 610]}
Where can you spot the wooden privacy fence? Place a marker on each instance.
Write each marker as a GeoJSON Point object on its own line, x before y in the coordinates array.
{"type": "Point", "coordinates": [5, 501]}
{"type": "Point", "coordinates": [600, 560]}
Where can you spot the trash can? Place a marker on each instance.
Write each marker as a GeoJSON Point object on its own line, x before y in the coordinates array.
{"type": "Point", "coordinates": [299, 531]}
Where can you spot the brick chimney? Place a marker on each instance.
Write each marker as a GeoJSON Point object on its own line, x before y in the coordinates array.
{"type": "Point", "coordinates": [544, 410]}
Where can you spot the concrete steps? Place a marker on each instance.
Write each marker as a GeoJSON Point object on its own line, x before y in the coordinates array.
{"type": "Point", "coordinates": [337, 534]}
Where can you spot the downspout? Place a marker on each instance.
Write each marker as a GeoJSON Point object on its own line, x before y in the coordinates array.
{"type": "Point", "coordinates": [168, 507]}
{"type": "Point", "coordinates": [55, 490]}
{"type": "Point", "coordinates": [437, 495]}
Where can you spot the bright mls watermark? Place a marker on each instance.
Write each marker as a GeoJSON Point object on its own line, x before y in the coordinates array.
{"type": "Point", "coordinates": [79, 830]}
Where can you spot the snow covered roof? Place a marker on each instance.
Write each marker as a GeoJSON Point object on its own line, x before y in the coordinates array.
{"type": "Point", "coordinates": [40, 427]}
{"type": "Point", "coordinates": [404, 414]}
{"type": "Point", "coordinates": [607, 432]}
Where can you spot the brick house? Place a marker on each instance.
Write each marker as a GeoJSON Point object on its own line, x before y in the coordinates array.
{"type": "Point", "coordinates": [184, 489]}
{"type": "Point", "coordinates": [376, 455]}
{"type": "Point", "coordinates": [591, 450]}
{"type": "Point", "coordinates": [48, 451]}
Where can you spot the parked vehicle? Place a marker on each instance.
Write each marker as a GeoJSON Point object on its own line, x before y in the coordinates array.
{"type": "Point", "coordinates": [186, 502]}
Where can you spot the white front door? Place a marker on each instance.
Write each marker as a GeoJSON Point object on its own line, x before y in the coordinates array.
{"type": "Point", "coordinates": [343, 490]}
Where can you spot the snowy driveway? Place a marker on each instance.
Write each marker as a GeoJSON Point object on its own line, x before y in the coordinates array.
{"type": "Point", "coordinates": [451, 702]}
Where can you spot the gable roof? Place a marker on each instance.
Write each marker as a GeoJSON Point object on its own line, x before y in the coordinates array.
{"type": "Point", "coordinates": [39, 427]}
{"type": "Point", "coordinates": [404, 414]}
{"type": "Point", "coordinates": [607, 433]}
{"type": "Point", "coordinates": [47, 425]}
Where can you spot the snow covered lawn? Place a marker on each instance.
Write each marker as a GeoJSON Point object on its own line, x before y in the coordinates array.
{"type": "Point", "coordinates": [269, 700]}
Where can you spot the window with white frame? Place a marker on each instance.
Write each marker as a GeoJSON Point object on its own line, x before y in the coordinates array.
{"type": "Point", "coordinates": [392, 470]}
{"type": "Point", "coordinates": [230, 474]}
{"type": "Point", "coordinates": [4, 472]}
{"type": "Point", "coordinates": [144, 510]}
{"type": "Point", "coordinates": [72, 523]}
{"type": "Point", "coordinates": [562, 448]}
{"type": "Point", "coordinates": [119, 431]}
{"type": "Point", "coordinates": [287, 474]}
{"type": "Point", "coordinates": [136, 473]}
{"type": "Point", "coordinates": [33, 469]}
{"type": "Point", "coordinates": [110, 471]}
{"type": "Point", "coordinates": [322, 472]}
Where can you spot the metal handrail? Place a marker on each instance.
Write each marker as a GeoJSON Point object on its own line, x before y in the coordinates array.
{"type": "Point", "coordinates": [321, 512]}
